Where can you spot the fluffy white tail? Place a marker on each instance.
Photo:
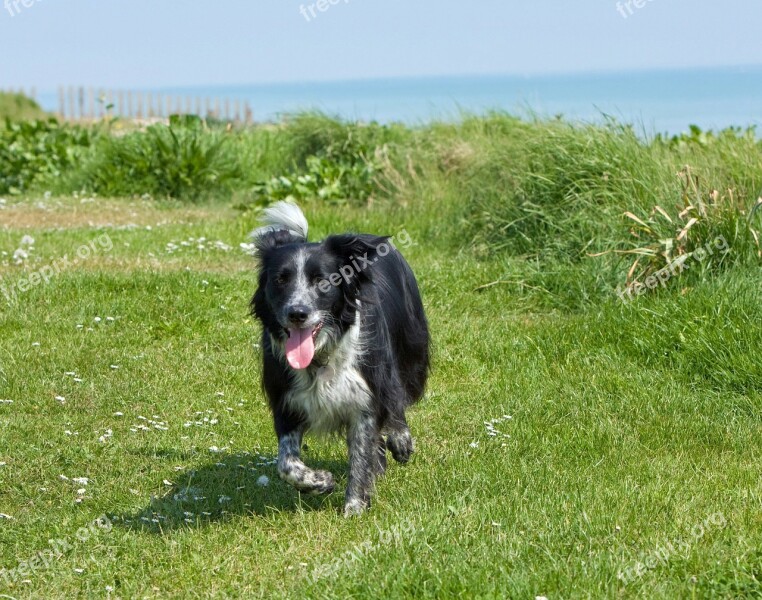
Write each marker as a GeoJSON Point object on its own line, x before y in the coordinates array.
{"type": "Point", "coordinates": [283, 216]}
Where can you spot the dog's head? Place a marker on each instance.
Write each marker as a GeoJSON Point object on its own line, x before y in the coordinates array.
{"type": "Point", "coordinates": [309, 293]}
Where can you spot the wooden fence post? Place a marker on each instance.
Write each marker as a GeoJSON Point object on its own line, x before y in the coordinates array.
{"type": "Point", "coordinates": [81, 102]}
{"type": "Point", "coordinates": [72, 109]}
{"type": "Point", "coordinates": [61, 103]}
{"type": "Point", "coordinates": [90, 106]}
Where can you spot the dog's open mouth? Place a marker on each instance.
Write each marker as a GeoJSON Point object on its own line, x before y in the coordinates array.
{"type": "Point", "coordinates": [300, 346]}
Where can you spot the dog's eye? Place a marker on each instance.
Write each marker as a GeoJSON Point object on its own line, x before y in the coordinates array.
{"type": "Point", "coordinates": [317, 279]}
{"type": "Point", "coordinates": [281, 278]}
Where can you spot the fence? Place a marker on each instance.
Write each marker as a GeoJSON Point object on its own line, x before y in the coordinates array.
{"type": "Point", "coordinates": [90, 104]}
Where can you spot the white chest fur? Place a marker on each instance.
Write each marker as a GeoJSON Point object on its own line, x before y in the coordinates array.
{"type": "Point", "coordinates": [332, 397]}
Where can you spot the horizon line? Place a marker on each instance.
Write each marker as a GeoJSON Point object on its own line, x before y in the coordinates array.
{"type": "Point", "coordinates": [429, 77]}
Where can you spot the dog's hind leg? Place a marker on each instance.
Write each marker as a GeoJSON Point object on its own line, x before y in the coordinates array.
{"type": "Point", "coordinates": [363, 440]}
{"type": "Point", "coordinates": [399, 440]}
{"type": "Point", "coordinates": [292, 470]}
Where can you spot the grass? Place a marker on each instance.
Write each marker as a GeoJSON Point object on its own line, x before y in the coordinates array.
{"type": "Point", "coordinates": [18, 106]}
{"type": "Point", "coordinates": [634, 426]}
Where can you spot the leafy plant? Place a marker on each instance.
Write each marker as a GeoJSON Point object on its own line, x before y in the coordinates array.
{"type": "Point", "coordinates": [36, 151]}
{"type": "Point", "coordinates": [183, 160]}
{"type": "Point", "coordinates": [324, 178]}
{"type": "Point", "coordinates": [332, 160]}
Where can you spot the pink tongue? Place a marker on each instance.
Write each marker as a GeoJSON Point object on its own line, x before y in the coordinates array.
{"type": "Point", "coordinates": [300, 349]}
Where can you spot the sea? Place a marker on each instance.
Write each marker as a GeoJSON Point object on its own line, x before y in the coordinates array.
{"type": "Point", "coordinates": [664, 101]}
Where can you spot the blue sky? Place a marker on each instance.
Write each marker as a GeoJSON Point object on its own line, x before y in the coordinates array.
{"type": "Point", "coordinates": [150, 43]}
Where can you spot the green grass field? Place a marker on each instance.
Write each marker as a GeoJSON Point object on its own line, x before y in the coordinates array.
{"type": "Point", "coordinates": [570, 444]}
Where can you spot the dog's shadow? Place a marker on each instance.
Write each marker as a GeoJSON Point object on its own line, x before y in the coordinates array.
{"type": "Point", "coordinates": [234, 485]}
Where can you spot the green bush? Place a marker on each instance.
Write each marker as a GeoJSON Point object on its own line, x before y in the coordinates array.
{"type": "Point", "coordinates": [184, 160]}
{"type": "Point", "coordinates": [35, 153]}
{"type": "Point", "coordinates": [332, 160]}
{"type": "Point", "coordinates": [17, 107]}
{"type": "Point", "coordinates": [323, 178]}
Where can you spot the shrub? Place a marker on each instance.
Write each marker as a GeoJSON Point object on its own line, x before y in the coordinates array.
{"type": "Point", "coordinates": [183, 160]}
{"type": "Point", "coordinates": [332, 160]}
{"type": "Point", "coordinates": [18, 107]}
{"type": "Point", "coordinates": [37, 152]}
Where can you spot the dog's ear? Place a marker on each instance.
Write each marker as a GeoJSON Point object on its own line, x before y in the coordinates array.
{"type": "Point", "coordinates": [356, 255]}
{"type": "Point", "coordinates": [266, 240]}
{"type": "Point", "coordinates": [359, 253]}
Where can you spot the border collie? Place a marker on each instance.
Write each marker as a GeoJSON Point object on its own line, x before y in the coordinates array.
{"type": "Point", "coordinates": [345, 347]}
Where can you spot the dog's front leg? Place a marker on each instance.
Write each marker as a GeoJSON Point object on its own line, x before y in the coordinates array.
{"type": "Point", "coordinates": [363, 441]}
{"type": "Point", "coordinates": [292, 470]}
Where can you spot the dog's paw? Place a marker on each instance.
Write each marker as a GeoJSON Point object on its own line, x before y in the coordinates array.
{"type": "Point", "coordinates": [308, 481]}
{"type": "Point", "coordinates": [354, 508]}
{"type": "Point", "coordinates": [321, 482]}
{"type": "Point", "coordinates": [401, 445]}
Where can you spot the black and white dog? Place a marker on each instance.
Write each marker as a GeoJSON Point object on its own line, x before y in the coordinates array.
{"type": "Point", "coordinates": [345, 348]}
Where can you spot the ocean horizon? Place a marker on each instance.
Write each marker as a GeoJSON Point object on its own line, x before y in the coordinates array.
{"type": "Point", "coordinates": [663, 101]}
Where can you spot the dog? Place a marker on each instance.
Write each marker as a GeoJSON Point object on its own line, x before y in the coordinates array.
{"type": "Point", "coordinates": [345, 347]}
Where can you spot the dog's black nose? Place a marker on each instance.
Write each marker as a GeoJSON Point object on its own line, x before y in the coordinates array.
{"type": "Point", "coordinates": [298, 314]}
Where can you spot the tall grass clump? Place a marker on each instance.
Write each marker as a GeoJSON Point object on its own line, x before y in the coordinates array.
{"type": "Point", "coordinates": [576, 210]}
{"type": "Point", "coordinates": [316, 134]}
{"type": "Point", "coordinates": [185, 160]}
{"type": "Point", "coordinates": [705, 220]}
{"type": "Point", "coordinates": [559, 190]}
{"type": "Point", "coordinates": [725, 159]}
{"type": "Point", "coordinates": [717, 208]}
{"type": "Point", "coordinates": [332, 160]}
